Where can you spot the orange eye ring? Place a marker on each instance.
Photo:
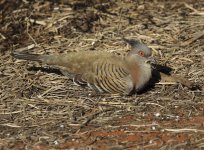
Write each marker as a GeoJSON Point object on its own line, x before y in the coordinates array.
{"type": "Point", "coordinates": [141, 53]}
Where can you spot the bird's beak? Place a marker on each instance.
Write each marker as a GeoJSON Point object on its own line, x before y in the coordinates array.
{"type": "Point", "coordinates": [151, 60]}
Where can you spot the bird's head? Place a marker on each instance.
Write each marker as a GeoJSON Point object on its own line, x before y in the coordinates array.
{"type": "Point", "coordinates": [138, 48]}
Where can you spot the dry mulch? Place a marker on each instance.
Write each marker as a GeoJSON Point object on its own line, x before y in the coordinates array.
{"type": "Point", "coordinates": [41, 109]}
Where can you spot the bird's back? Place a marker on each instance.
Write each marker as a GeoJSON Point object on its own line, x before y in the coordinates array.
{"type": "Point", "coordinates": [80, 62]}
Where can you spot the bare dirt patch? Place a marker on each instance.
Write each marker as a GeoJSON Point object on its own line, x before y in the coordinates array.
{"type": "Point", "coordinates": [41, 109]}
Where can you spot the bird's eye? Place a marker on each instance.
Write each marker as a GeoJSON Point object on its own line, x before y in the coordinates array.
{"type": "Point", "coordinates": [141, 53]}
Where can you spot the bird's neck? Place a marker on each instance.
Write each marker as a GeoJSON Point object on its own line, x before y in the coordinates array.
{"type": "Point", "coordinates": [140, 72]}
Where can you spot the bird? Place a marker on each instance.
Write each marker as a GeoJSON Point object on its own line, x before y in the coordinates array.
{"type": "Point", "coordinates": [103, 72]}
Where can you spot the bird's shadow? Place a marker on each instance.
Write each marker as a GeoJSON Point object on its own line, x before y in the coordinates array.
{"type": "Point", "coordinates": [46, 70]}
{"type": "Point", "coordinates": [156, 77]}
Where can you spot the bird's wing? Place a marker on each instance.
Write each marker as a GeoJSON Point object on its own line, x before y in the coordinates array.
{"type": "Point", "coordinates": [110, 76]}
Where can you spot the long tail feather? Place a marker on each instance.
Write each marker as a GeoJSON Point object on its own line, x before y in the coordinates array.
{"type": "Point", "coordinates": [26, 56]}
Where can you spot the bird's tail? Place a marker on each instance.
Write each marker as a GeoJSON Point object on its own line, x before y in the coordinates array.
{"type": "Point", "coordinates": [26, 56]}
{"type": "Point", "coordinates": [45, 59]}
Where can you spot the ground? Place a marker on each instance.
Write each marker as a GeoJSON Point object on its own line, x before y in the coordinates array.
{"type": "Point", "coordinates": [42, 109]}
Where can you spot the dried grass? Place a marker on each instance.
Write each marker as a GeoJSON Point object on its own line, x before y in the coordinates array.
{"type": "Point", "coordinates": [37, 105]}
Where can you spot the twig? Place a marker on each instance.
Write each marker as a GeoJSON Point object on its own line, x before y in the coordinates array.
{"type": "Point", "coordinates": [10, 125]}
{"type": "Point", "coordinates": [184, 130]}
{"type": "Point", "coordinates": [166, 83]}
{"type": "Point", "coordinates": [175, 79]}
{"type": "Point", "coordinates": [9, 113]}
{"type": "Point", "coordinates": [155, 104]}
{"type": "Point", "coordinates": [134, 125]}
{"type": "Point", "coordinates": [2, 36]}
{"type": "Point", "coordinates": [38, 22]}
{"type": "Point", "coordinates": [91, 117]}
{"type": "Point", "coordinates": [195, 11]}
{"type": "Point", "coordinates": [27, 28]}
{"type": "Point", "coordinates": [26, 48]}
{"type": "Point", "coordinates": [196, 36]}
